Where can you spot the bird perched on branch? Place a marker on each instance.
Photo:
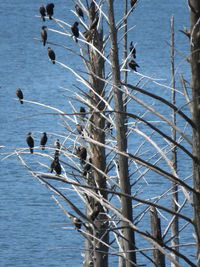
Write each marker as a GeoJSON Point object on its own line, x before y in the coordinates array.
{"type": "Point", "coordinates": [55, 166]}
{"type": "Point", "coordinates": [133, 2]}
{"type": "Point", "coordinates": [42, 11]}
{"type": "Point", "coordinates": [75, 30]}
{"type": "Point", "coordinates": [44, 34]}
{"type": "Point", "coordinates": [78, 223]}
{"type": "Point", "coordinates": [20, 95]}
{"type": "Point", "coordinates": [132, 64]}
{"type": "Point", "coordinates": [30, 142]}
{"type": "Point", "coordinates": [82, 111]}
{"type": "Point", "coordinates": [132, 50]}
{"type": "Point", "coordinates": [57, 144]}
{"type": "Point", "coordinates": [79, 11]}
{"type": "Point", "coordinates": [81, 151]}
{"type": "Point", "coordinates": [49, 9]}
{"type": "Point", "coordinates": [43, 141]}
{"type": "Point", "coordinates": [52, 55]}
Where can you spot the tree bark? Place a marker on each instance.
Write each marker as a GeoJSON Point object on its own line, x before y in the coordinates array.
{"type": "Point", "coordinates": [128, 233]}
{"type": "Point", "coordinates": [195, 69]}
{"type": "Point", "coordinates": [175, 225]}
{"type": "Point", "coordinates": [95, 255]}
{"type": "Point", "coordinates": [158, 257]}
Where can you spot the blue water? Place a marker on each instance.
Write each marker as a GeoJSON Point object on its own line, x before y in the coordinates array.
{"type": "Point", "coordinates": [33, 230]}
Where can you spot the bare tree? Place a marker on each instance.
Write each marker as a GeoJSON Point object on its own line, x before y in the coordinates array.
{"type": "Point", "coordinates": [94, 158]}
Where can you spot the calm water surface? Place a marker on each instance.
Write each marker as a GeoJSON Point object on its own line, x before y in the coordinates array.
{"type": "Point", "coordinates": [33, 231]}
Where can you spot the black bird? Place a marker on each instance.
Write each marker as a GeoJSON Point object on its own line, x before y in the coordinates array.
{"type": "Point", "coordinates": [132, 64]}
{"type": "Point", "coordinates": [75, 30]}
{"type": "Point", "coordinates": [79, 128]}
{"type": "Point", "coordinates": [77, 222]}
{"type": "Point", "coordinates": [132, 50]}
{"type": "Point", "coordinates": [95, 212]}
{"type": "Point", "coordinates": [30, 142]}
{"type": "Point", "coordinates": [43, 141]}
{"type": "Point", "coordinates": [82, 111]}
{"type": "Point", "coordinates": [57, 144]}
{"type": "Point", "coordinates": [79, 11]}
{"type": "Point", "coordinates": [44, 34]}
{"type": "Point", "coordinates": [133, 2]}
{"type": "Point", "coordinates": [42, 11]}
{"type": "Point", "coordinates": [52, 55]}
{"type": "Point", "coordinates": [49, 9]}
{"type": "Point", "coordinates": [55, 165]}
{"type": "Point", "coordinates": [81, 151]}
{"type": "Point", "coordinates": [20, 95]}
{"type": "Point", "coordinates": [57, 148]}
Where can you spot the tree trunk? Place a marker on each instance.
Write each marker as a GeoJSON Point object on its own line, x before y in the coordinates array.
{"type": "Point", "coordinates": [158, 257]}
{"type": "Point", "coordinates": [95, 255]}
{"type": "Point", "coordinates": [195, 69]}
{"type": "Point", "coordinates": [128, 233]}
{"type": "Point", "coordinates": [175, 226]}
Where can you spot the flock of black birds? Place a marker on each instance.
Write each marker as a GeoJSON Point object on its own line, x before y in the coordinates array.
{"type": "Point", "coordinates": [30, 141]}
{"type": "Point", "coordinates": [81, 151]}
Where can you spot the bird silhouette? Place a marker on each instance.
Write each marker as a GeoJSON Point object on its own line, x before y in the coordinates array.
{"type": "Point", "coordinates": [19, 94]}
{"type": "Point", "coordinates": [30, 142]}
{"type": "Point", "coordinates": [82, 111]}
{"type": "Point", "coordinates": [75, 30]}
{"type": "Point", "coordinates": [42, 11]}
{"type": "Point", "coordinates": [52, 55]}
{"type": "Point", "coordinates": [49, 9]}
{"type": "Point", "coordinates": [55, 166]}
{"type": "Point", "coordinates": [132, 50]}
{"type": "Point", "coordinates": [44, 34]}
{"type": "Point", "coordinates": [81, 151]}
{"type": "Point", "coordinates": [133, 2]}
{"type": "Point", "coordinates": [79, 11]}
{"type": "Point", "coordinates": [133, 65]}
{"type": "Point", "coordinates": [43, 141]}
{"type": "Point", "coordinates": [77, 222]}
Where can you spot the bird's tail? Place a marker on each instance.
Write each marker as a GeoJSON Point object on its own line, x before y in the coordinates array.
{"type": "Point", "coordinates": [53, 61]}
{"type": "Point", "coordinates": [43, 18]}
{"type": "Point", "coordinates": [31, 150]}
{"type": "Point", "coordinates": [21, 101]}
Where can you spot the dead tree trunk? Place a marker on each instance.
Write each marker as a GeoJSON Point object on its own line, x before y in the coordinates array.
{"type": "Point", "coordinates": [175, 225]}
{"type": "Point", "coordinates": [95, 255]}
{"type": "Point", "coordinates": [195, 69]}
{"type": "Point", "coordinates": [128, 233]}
{"type": "Point", "coordinates": [158, 257]}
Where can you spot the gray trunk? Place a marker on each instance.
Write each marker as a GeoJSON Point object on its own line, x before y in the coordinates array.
{"type": "Point", "coordinates": [128, 233]}
{"type": "Point", "coordinates": [195, 68]}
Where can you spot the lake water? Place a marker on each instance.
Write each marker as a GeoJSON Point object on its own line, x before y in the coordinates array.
{"type": "Point", "coordinates": [33, 230]}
